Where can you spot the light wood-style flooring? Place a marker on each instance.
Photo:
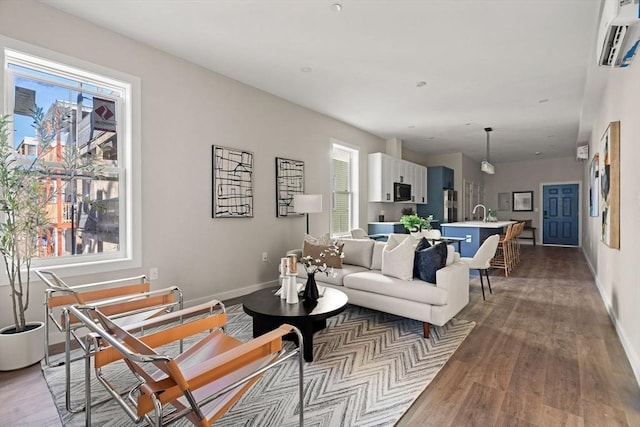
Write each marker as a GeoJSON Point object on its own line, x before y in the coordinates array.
{"type": "Point", "coordinates": [543, 353]}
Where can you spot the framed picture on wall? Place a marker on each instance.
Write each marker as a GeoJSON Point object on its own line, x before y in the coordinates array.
{"type": "Point", "coordinates": [522, 201]}
{"type": "Point", "coordinates": [504, 202]}
{"type": "Point", "coordinates": [289, 182]}
{"type": "Point", "coordinates": [232, 182]}
{"type": "Point", "coordinates": [609, 164]}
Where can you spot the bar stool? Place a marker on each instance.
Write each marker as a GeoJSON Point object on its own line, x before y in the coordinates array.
{"type": "Point", "coordinates": [504, 254]}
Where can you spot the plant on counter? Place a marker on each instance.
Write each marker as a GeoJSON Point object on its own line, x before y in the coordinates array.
{"type": "Point", "coordinates": [416, 223]}
{"type": "Point", "coordinates": [492, 215]}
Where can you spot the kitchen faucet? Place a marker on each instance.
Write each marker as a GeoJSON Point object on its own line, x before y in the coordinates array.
{"type": "Point", "coordinates": [484, 217]}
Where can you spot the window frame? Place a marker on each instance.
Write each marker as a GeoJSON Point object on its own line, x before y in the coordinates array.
{"type": "Point", "coordinates": [130, 253]}
{"type": "Point", "coordinates": [354, 186]}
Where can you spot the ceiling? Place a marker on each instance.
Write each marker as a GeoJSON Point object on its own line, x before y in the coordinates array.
{"type": "Point", "coordinates": [433, 73]}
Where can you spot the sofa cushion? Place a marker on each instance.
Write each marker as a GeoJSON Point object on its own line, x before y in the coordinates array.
{"type": "Point", "coordinates": [416, 290]}
{"type": "Point", "coordinates": [428, 261]}
{"type": "Point", "coordinates": [335, 279]}
{"type": "Point", "coordinates": [326, 253]}
{"type": "Point", "coordinates": [376, 259]}
{"type": "Point", "coordinates": [397, 257]}
{"type": "Point", "coordinates": [357, 251]}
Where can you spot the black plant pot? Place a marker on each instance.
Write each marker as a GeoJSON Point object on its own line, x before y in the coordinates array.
{"type": "Point", "coordinates": [310, 293]}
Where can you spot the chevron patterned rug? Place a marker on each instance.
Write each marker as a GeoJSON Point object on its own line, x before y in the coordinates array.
{"type": "Point", "coordinates": [368, 369]}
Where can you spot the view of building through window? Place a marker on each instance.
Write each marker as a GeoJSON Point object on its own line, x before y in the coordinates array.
{"type": "Point", "coordinates": [59, 118]}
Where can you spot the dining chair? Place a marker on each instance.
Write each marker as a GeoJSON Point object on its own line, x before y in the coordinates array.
{"type": "Point", "coordinates": [481, 261]}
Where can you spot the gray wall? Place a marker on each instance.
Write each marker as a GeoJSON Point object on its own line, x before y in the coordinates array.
{"type": "Point", "coordinates": [526, 176]}
{"type": "Point", "coordinates": [186, 109]}
{"type": "Point", "coordinates": [617, 270]}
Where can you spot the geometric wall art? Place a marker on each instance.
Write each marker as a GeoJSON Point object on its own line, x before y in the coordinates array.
{"type": "Point", "coordinates": [594, 187]}
{"type": "Point", "coordinates": [609, 162]}
{"type": "Point", "coordinates": [232, 183]}
{"type": "Point", "coordinates": [289, 182]}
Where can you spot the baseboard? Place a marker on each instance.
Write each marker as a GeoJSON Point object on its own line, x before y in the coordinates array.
{"type": "Point", "coordinates": [632, 356]}
{"type": "Point", "coordinates": [235, 293]}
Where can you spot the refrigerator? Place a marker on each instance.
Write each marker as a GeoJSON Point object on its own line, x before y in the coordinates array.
{"type": "Point", "coordinates": [450, 205]}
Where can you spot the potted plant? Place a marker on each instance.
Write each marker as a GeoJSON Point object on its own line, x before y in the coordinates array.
{"type": "Point", "coordinates": [492, 215]}
{"type": "Point", "coordinates": [415, 223]}
{"type": "Point", "coordinates": [24, 200]}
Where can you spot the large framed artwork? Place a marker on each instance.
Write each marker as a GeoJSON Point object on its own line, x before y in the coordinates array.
{"type": "Point", "coordinates": [609, 163]}
{"type": "Point", "coordinates": [232, 183]}
{"type": "Point", "coordinates": [289, 182]}
{"type": "Point", "coordinates": [594, 187]}
{"type": "Point", "coordinates": [522, 201]}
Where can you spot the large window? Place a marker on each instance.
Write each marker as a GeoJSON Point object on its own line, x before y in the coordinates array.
{"type": "Point", "coordinates": [62, 112]}
{"type": "Point", "coordinates": [344, 170]}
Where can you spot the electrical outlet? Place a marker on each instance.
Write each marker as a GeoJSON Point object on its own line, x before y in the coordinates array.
{"type": "Point", "coordinates": [153, 273]}
{"type": "Point", "coordinates": [468, 237]}
{"type": "Point", "coordinates": [265, 257]}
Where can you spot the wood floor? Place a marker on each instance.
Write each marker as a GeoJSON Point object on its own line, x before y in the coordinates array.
{"type": "Point", "coordinates": [543, 353]}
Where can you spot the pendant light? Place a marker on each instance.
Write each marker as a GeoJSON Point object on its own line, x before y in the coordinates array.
{"type": "Point", "coordinates": [485, 166]}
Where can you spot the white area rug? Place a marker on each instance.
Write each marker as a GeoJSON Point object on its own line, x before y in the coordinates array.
{"type": "Point", "coordinates": [368, 369]}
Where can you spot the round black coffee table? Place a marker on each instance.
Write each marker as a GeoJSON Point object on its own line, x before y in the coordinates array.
{"type": "Point", "coordinates": [269, 311]}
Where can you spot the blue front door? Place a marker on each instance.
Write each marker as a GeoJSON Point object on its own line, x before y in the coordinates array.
{"type": "Point", "coordinates": [560, 209]}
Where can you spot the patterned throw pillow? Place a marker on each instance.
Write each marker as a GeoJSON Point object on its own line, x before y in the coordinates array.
{"type": "Point", "coordinates": [324, 239]}
{"type": "Point", "coordinates": [330, 257]}
{"type": "Point", "coordinates": [428, 261]}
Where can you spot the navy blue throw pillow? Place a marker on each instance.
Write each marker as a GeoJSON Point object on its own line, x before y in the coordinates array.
{"type": "Point", "coordinates": [423, 244]}
{"type": "Point", "coordinates": [428, 261]}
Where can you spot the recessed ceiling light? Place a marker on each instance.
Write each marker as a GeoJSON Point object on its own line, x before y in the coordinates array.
{"type": "Point", "coordinates": [305, 69]}
{"type": "Point", "coordinates": [432, 137]}
{"type": "Point", "coordinates": [336, 7]}
{"type": "Point", "coordinates": [420, 84]}
{"type": "Point", "coordinates": [467, 124]}
{"type": "Point", "coordinates": [550, 136]}
{"type": "Point", "coordinates": [538, 153]}
{"type": "Point", "coordinates": [542, 101]}
{"type": "Point", "coordinates": [411, 126]}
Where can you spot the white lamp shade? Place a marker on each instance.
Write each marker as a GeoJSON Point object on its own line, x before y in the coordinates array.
{"type": "Point", "coordinates": [307, 203]}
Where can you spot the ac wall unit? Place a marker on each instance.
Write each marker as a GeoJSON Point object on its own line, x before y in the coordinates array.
{"type": "Point", "coordinates": [619, 33]}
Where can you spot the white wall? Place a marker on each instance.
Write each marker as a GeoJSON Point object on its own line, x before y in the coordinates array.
{"type": "Point", "coordinates": [617, 270]}
{"type": "Point", "coordinates": [526, 176]}
{"type": "Point", "coordinates": [186, 109]}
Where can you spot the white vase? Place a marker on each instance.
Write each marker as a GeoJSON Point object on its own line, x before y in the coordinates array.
{"type": "Point", "coordinates": [21, 349]}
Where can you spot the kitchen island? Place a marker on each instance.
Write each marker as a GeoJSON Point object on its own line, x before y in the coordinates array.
{"type": "Point", "coordinates": [474, 232]}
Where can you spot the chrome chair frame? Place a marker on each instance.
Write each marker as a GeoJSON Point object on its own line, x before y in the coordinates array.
{"type": "Point", "coordinates": [100, 337]}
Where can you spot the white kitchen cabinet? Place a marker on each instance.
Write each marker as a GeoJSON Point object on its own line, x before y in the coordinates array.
{"type": "Point", "coordinates": [384, 170]}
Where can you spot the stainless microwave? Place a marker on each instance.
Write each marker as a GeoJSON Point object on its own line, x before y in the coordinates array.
{"type": "Point", "coordinates": [401, 192]}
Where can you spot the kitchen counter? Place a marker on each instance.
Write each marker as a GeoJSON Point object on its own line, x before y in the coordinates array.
{"type": "Point", "coordinates": [479, 224]}
{"type": "Point", "coordinates": [474, 233]}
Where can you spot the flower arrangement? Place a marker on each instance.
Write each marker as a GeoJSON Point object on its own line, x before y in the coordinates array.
{"type": "Point", "coordinates": [314, 265]}
{"type": "Point", "coordinates": [416, 223]}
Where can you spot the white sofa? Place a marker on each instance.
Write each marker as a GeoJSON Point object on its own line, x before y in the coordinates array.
{"type": "Point", "coordinates": [362, 280]}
